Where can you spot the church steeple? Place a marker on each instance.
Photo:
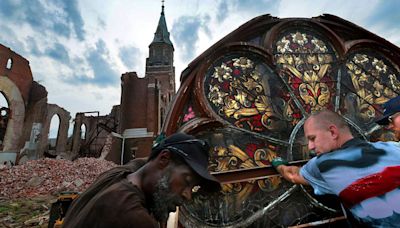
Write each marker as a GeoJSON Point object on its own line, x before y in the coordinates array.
{"type": "Point", "coordinates": [162, 34]}
{"type": "Point", "coordinates": [160, 67]}
{"type": "Point", "coordinates": [161, 49]}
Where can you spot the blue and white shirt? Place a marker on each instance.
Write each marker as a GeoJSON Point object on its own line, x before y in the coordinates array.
{"type": "Point", "coordinates": [366, 176]}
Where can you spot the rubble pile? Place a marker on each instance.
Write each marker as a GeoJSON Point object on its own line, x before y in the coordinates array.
{"type": "Point", "coordinates": [50, 176]}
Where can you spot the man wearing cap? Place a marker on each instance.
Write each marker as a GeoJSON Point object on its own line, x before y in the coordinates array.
{"type": "Point", "coordinates": [142, 194]}
{"type": "Point", "coordinates": [391, 116]}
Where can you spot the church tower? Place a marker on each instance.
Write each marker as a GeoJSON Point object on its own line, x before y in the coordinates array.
{"type": "Point", "coordinates": [144, 100]}
{"type": "Point", "coordinates": [160, 66]}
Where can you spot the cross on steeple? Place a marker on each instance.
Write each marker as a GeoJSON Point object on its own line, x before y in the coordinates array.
{"type": "Point", "coordinates": [162, 6]}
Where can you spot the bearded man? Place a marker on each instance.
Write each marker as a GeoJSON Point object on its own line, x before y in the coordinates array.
{"type": "Point", "coordinates": [142, 194]}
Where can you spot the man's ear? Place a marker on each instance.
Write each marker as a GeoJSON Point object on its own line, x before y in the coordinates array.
{"type": "Point", "coordinates": [334, 130]}
{"type": "Point", "coordinates": [164, 159]}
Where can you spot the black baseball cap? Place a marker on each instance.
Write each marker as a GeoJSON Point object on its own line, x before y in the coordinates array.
{"type": "Point", "coordinates": [195, 153]}
{"type": "Point", "coordinates": [390, 108]}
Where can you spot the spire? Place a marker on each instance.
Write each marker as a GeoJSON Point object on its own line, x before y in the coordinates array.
{"type": "Point", "coordinates": [162, 34]}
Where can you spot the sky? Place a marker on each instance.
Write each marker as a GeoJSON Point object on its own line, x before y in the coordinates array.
{"type": "Point", "coordinates": [78, 49]}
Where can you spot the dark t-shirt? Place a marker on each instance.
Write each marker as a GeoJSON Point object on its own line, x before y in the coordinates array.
{"type": "Point", "coordinates": [111, 201]}
{"type": "Point", "coordinates": [120, 205]}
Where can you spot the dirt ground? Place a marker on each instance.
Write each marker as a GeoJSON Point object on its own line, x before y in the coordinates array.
{"type": "Point", "coordinates": [28, 190]}
{"type": "Point", "coordinates": [32, 212]}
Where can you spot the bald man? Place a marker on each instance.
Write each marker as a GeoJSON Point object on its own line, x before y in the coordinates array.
{"type": "Point", "coordinates": [365, 176]}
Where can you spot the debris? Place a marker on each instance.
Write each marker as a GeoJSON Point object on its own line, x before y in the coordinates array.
{"type": "Point", "coordinates": [34, 181]}
{"type": "Point", "coordinates": [50, 176]}
{"type": "Point", "coordinates": [38, 220]}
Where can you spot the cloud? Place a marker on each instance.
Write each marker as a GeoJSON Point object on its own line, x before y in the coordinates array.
{"type": "Point", "coordinates": [9, 9]}
{"type": "Point", "coordinates": [9, 39]}
{"type": "Point", "coordinates": [222, 11]}
{"type": "Point", "coordinates": [33, 46]}
{"type": "Point", "coordinates": [225, 9]}
{"type": "Point", "coordinates": [256, 7]}
{"type": "Point", "coordinates": [58, 52]}
{"type": "Point", "coordinates": [100, 62]}
{"type": "Point", "coordinates": [56, 17]}
{"type": "Point", "coordinates": [384, 20]}
{"type": "Point", "coordinates": [185, 32]}
{"type": "Point", "coordinates": [101, 23]}
{"type": "Point", "coordinates": [387, 15]}
{"type": "Point", "coordinates": [29, 13]}
{"type": "Point", "coordinates": [130, 56]}
{"type": "Point", "coordinates": [74, 16]}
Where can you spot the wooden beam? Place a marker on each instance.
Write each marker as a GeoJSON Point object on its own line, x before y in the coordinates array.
{"type": "Point", "coordinates": [256, 173]}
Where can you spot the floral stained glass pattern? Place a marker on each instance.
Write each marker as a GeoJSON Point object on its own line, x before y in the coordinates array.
{"type": "Point", "coordinates": [237, 150]}
{"type": "Point", "coordinates": [306, 63]}
{"type": "Point", "coordinates": [238, 88]}
{"type": "Point", "coordinates": [234, 150]}
{"type": "Point", "coordinates": [372, 81]}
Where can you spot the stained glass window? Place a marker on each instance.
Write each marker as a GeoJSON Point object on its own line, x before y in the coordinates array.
{"type": "Point", "coordinates": [369, 81]}
{"type": "Point", "coordinates": [244, 91]}
{"type": "Point", "coordinates": [308, 64]}
{"type": "Point", "coordinates": [260, 91]}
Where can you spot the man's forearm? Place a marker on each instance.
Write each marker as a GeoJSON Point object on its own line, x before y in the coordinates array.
{"type": "Point", "coordinates": [290, 173]}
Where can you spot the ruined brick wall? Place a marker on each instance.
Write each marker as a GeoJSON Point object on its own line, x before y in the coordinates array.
{"type": "Point", "coordinates": [138, 111]}
{"type": "Point", "coordinates": [97, 129]}
{"type": "Point", "coordinates": [134, 103]}
{"type": "Point", "coordinates": [28, 126]}
{"type": "Point", "coordinates": [35, 111]}
{"type": "Point", "coordinates": [19, 73]}
{"type": "Point", "coordinates": [15, 82]}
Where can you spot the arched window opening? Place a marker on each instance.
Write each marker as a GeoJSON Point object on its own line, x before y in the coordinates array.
{"type": "Point", "coordinates": [83, 131]}
{"type": "Point", "coordinates": [3, 100]}
{"type": "Point", "coordinates": [53, 134]}
{"type": "Point", "coordinates": [9, 63]}
{"type": "Point", "coordinates": [4, 117]}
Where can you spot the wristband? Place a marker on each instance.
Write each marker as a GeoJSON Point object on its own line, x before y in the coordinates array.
{"type": "Point", "coordinates": [278, 161]}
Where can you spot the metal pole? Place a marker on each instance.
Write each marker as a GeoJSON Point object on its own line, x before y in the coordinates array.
{"type": "Point", "coordinates": [122, 150]}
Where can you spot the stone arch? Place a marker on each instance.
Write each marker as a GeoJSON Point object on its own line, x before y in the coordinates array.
{"type": "Point", "coordinates": [77, 140]}
{"type": "Point", "coordinates": [64, 116]}
{"type": "Point", "coordinates": [16, 104]}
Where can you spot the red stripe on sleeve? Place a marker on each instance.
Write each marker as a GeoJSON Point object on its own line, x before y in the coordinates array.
{"type": "Point", "coordinates": [370, 186]}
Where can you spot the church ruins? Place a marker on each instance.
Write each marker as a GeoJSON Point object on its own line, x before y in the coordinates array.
{"type": "Point", "coordinates": [247, 95]}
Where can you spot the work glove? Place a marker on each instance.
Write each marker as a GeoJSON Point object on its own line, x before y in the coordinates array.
{"type": "Point", "coordinates": [278, 161]}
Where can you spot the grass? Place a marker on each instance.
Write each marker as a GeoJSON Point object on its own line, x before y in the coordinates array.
{"type": "Point", "coordinates": [15, 212]}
